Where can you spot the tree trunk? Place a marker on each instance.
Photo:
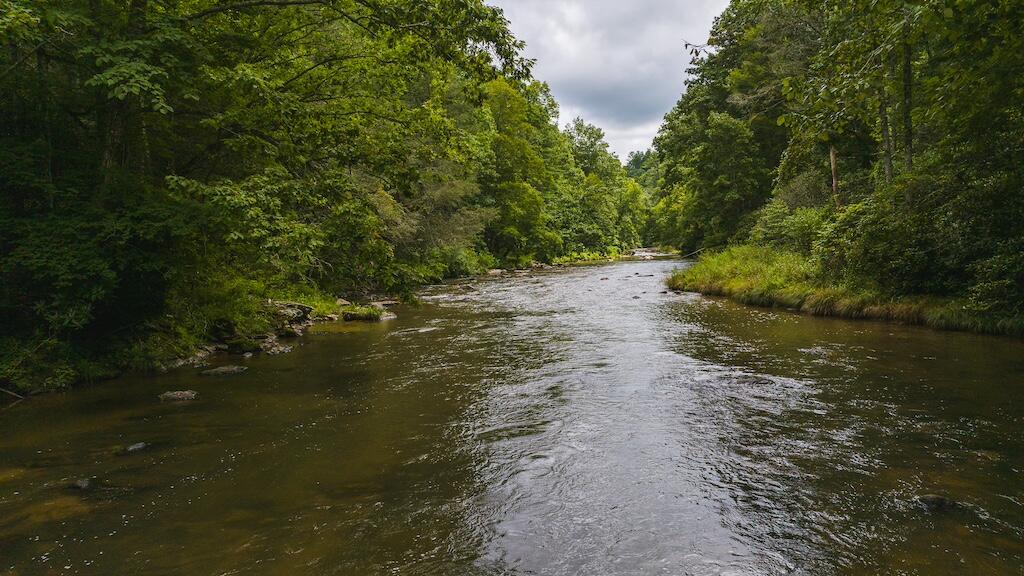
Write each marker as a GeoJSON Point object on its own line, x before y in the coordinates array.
{"type": "Point", "coordinates": [908, 81]}
{"type": "Point", "coordinates": [883, 116]}
{"type": "Point", "coordinates": [835, 174]}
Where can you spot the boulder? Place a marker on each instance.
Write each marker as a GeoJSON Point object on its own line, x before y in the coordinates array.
{"type": "Point", "coordinates": [384, 304]}
{"type": "Point", "coordinates": [495, 272]}
{"type": "Point", "coordinates": [224, 371]}
{"type": "Point", "coordinates": [179, 396]}
{"type": "Point", "coordinates": [341, 302]}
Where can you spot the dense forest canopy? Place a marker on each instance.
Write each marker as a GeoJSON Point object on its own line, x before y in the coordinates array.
{"type": "Point", "coordinates": [881, 142]}
{"type": "Point", "coordinates": [168, 166]}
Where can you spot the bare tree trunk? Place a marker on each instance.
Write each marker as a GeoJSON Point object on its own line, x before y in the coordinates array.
{"type": "Point", "coordinates": [835, 174]}
{"type": "Point", "coordinates": [883, 116]}
{"type": "Point", "coordinates": [908, 82]}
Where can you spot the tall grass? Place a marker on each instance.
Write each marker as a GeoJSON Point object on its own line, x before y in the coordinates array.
{"type": "Point", "coordinates": [775, 278]}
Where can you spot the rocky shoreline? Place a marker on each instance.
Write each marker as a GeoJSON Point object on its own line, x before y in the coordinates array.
{"type": "Point", "coordinates": [290, 321]}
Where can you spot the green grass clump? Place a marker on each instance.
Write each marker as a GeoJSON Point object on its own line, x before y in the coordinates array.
{"type": "Point", "coordinates": [583, 257]}
{"type": "Point", "coordinates": [771, 277]}
{"type": "Point", "coordinates": [357, 313]}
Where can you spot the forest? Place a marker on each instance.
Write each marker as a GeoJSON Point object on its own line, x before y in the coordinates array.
{"type": "Point", "coordinates": [168, 167]}
{"type": "Point", "coordinates": [862, 158]}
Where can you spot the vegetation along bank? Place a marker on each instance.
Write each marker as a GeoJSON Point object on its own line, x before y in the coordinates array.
{"type": "Point", "coordinates": [169, 168]}
{"type": "Point", "coordinates": [858, 158]}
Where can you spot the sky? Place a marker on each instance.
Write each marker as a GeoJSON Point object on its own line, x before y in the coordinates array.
{"type": "Point", "coordinates": [619, 64]}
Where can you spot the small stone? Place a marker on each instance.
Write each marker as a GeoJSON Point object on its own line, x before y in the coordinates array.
{"type": "Point", "coordinates": [179, 396]}
{"type": "Point", "coordinates": [603, 279]}
{"type": "Point", "coordinates": [224, 371]}
{"type": "Point", "coordinates": [636, 297]}
{"type": "Point", "coordinates": [137, 447]}
{"type": "Point", "coordinates": [82, 485]}
{"type": "Point", "coordinates": [495, 272]}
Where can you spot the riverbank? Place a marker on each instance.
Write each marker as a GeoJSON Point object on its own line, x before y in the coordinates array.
{"type": "Point", "coordinates": [773, 278]}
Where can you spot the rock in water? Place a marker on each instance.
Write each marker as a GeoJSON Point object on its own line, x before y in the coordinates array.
{"type": "Point", "coordinates": [936, 503]}
{"type": "Point", "coordinates": [82, 485]}
{"type": "Point", "coordinates": [224, 371]}
{"type": "Point", "coordinates": [137, 447]}
{"type": "Point", "coordinates": [178, 396]}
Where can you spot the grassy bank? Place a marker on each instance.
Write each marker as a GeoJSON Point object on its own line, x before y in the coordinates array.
{"type": "Point", "coordinates": [769, 277]}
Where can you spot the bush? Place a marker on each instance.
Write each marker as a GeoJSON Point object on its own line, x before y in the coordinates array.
{"type": "Point", "coordinates": [779, 227]}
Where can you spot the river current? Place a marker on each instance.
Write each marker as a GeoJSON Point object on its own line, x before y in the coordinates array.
{"type": "Point", "coordinates": [571, 422]}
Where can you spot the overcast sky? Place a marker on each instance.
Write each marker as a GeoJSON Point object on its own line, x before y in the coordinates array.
{"type": "Point", "coordinates": [617, 63]}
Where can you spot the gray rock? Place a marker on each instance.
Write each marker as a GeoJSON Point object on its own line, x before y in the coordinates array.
{"type": "Point", "coordinates": [224, 371]}
{"type": "Point", "coordinates": [137, 447]}
{"type": "Point", "coordinates": [936, 502]}
{"type": "Point", "coordinates": [495, 272]}
{"type": "Point", "coordinates": [82, 485]}
{"type": "Point", "coordinates": [179, 396]}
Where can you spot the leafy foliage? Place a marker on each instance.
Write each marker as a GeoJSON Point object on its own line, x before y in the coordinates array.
{"type": "Point", "coordinates": [879, 140]}
{"type": "Point", "coordinates": [166, 167]}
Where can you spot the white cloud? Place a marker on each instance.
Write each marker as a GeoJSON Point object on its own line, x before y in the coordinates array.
{"type": "Point", "coordinates": [617, 63]}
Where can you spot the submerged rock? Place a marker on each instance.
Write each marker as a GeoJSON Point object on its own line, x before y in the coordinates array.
{"type": "Point", "coordinates": [936, 502]}
{"type": "Point", "coordinates": [82, 485]}
{"type": "Point", "coordinates": [179, 396]}
{"type": "Point", "coordinates": [224, 371]}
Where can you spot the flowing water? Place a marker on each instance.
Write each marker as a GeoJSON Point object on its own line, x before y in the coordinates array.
{"type": "Point", "coordinates": [557, 423]}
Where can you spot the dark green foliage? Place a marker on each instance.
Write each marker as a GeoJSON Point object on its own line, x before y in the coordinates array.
{"type": "Point", "coordinates": [888, 135]}
{"type": "Point", "coordinates": [167, 167]}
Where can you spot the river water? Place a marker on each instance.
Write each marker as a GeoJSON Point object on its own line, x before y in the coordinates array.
{"type": "Point", "coordinates": [573, 422]}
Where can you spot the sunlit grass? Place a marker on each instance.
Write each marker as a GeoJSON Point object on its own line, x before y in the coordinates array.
{"type": "Point", "coordinates": [769, 277]}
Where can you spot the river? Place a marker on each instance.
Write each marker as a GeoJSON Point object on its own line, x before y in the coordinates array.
{"type": "Point", "coordinates": [570, 422]}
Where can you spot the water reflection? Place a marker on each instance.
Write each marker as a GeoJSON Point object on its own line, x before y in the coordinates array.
{"type": "Point", "coordinates": [571, 422]}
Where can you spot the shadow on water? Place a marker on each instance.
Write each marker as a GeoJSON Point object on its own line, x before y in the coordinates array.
{"type": "Point", "coordinates": [572, 422]}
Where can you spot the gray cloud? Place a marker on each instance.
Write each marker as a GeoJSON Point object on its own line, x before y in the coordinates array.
{"type": "Point", "coordinates": [617, 63]}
